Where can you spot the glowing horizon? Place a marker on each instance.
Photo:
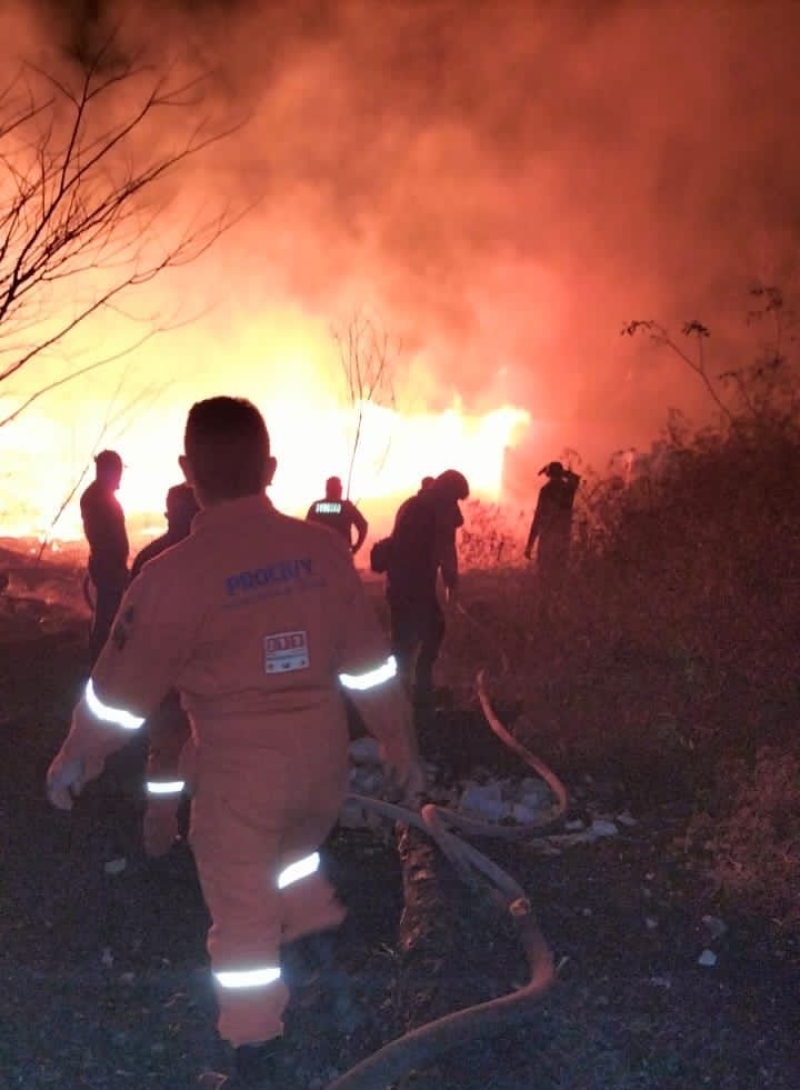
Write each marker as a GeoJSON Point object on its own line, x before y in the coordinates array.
{"type": "Point", "coordinates": [311, 442]}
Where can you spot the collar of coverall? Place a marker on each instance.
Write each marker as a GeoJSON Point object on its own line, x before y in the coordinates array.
{"type": "Point", "coordinates": [231, 511]}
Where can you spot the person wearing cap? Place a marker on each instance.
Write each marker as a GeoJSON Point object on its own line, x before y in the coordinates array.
{"type": "Point", "coordinates": [423, 543]}
{"type": "Point", "coordinates": [260, 622]}
{"type": "Point", "coordinates": [551, 526]}
{"type": "Point", "coordinates": [168, 730]}
{"type": "Point", "coordinates": [340, 515]}
{"type": "Point", "coordinates": [104, 527]}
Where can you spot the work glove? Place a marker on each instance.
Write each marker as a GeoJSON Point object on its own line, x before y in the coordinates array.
{"type": "Point", "coordinates": [66, 778]}
{"type": "Point", "coordinates": [80, 759]}
{"type": "Point", "coordinates": [389, 719]}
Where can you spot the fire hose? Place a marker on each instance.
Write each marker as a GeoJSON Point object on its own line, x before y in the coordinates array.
{"type": "Point", "coordinates": [422, 1046]}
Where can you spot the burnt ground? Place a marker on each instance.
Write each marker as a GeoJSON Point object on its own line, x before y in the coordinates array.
{"type": "Point", "coordinates": [103, 979]}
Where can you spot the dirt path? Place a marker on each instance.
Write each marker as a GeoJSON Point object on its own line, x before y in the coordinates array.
{"type": "Point", "coordinates": [104, 983]}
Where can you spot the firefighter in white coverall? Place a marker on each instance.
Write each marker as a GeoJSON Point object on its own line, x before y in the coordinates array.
{"type": "Point", "coordinates": [257, 620]}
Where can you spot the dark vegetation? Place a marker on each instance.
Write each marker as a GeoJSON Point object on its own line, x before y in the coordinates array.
{"type": "Point", "coordinates": [671, 657]}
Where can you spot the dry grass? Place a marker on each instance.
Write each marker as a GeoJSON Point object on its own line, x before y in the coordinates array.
{"type": "Point", "coordinates": [754, 843]}
{"type": "Point", "coordinates": [670, 657]}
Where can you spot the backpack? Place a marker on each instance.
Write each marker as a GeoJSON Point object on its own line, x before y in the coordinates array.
{"type": "Point", "coordinates": [380, 556]}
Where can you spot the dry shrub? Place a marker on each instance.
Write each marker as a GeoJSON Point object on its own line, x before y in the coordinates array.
{"type": "Point", "coordinates": [670, 652]}
{"type": "Point", "coordinates": [679, 614]}
{"type": "Point", "coordinates": [492, 536]}
{"type": "Point", "coordinates": [755, 845]}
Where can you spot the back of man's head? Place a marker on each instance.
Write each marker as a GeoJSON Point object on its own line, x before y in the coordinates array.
{"type": "Point", "coordinates": [181, 508]}
{"type": "Point", "coordinates": [333, 488]}
{"type": "Point", "coordinates": [452, 485]}
{"type": "Point", "coordinates": [426, 482]}
{"type": "Point", "coordinates": [227, 448]}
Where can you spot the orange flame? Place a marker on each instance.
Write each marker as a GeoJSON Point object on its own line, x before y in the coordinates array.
{"type": "Point", "coordinates": [311, 441]}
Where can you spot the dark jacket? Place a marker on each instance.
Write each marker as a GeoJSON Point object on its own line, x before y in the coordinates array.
{"type": "Point", "coordinates": [104, 526]}
{"type": "Point", "coordinates": [155, 548]}
{"type": "Point", "coordinates": [341, 516]}
{"type": "Point", "coordinates": [423, 542]}
{"type": "Point", "coordinates": [553, 517]}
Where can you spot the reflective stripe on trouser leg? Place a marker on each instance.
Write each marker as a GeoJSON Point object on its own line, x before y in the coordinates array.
{"type": "Point", "coordinates": [167, 788]}
{"type": "Point", "coordinates": [165, 779]}
{"type": "Point", "coordinates": [309, 903]}
{"type": "Point", "coordinates": [299, 870]}
{"type": "Point", "coordinates": [248, 998]}
{"type": "Point", "coordinates": [232, 855]}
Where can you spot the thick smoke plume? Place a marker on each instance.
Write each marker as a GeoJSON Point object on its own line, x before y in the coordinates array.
{"type": "Point", "coordinates": [504, 183]}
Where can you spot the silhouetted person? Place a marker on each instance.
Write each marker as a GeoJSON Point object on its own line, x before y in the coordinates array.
{"type": "Point", "coordinates": [168, 726]}
{"type": "Point", "coordinates": [181, 509]}
{"type": "Point", "coordinates": [423, 543]}
{"type": "Point", "coordinates": [339, 514]}
{"type": "Point", "coordinates": [104, 527]}
{"type": "Point", "coordinates": [425, 484]}
{"type": "Point", "coordinates": [552, 524]}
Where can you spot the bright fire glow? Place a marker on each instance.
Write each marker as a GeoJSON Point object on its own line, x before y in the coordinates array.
{"type": "Point", "coordinates": [312, 433]}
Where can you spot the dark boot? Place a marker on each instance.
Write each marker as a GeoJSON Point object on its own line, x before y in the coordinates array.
{"type": "Point", "coordinates": [258, 1065]}
{"type": "Point", "coordinates": [336, 986]}
{"type": "Point", "coordinates": [249, 1067]}
{"type": "Point", "coordinates": [312, 968]}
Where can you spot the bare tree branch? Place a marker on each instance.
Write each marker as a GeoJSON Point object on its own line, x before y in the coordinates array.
{"type": "Point", "coordinates": [72, 375]}
{"type": "Point", "coordinates": [766, 391]}
{"type": "Point", "coordinates": [82, 213]}
{"type": "Point", "coordinates": [368, 360]}
{"type": "Point", "coordinates": [694, 329]}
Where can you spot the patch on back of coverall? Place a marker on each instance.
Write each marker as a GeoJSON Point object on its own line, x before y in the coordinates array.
{"type": "Point", "coordinates": [285, 651]}
{"type": "Point", "coordinates": [122, 629]}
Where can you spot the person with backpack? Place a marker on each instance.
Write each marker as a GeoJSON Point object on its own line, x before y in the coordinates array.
{"type": "Point", "coordinates": [422, 544]}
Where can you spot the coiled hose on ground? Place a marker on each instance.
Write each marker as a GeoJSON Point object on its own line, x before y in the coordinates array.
{"type": "Point", "coordinates": [422, 1046]}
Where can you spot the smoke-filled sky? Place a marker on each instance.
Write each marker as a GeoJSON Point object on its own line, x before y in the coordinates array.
{"type": "Point", "coordinates": [505, 183]}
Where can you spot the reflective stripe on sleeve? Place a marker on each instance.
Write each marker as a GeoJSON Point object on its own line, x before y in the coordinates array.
{"type": "Point", "coordinates": [371, 678]}
{"type": "Point", "coordinates": [248, 978]}
{"type": "Point", "coordinates": [303, 868]}
{"type": "Point", "coordinates": [165, 787]}
{"type": "Point", "coordinates": [118, 716]}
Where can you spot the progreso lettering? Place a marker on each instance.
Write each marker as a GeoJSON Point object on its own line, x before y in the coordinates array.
{"type": "Point", "coordinates": [284, 571]}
